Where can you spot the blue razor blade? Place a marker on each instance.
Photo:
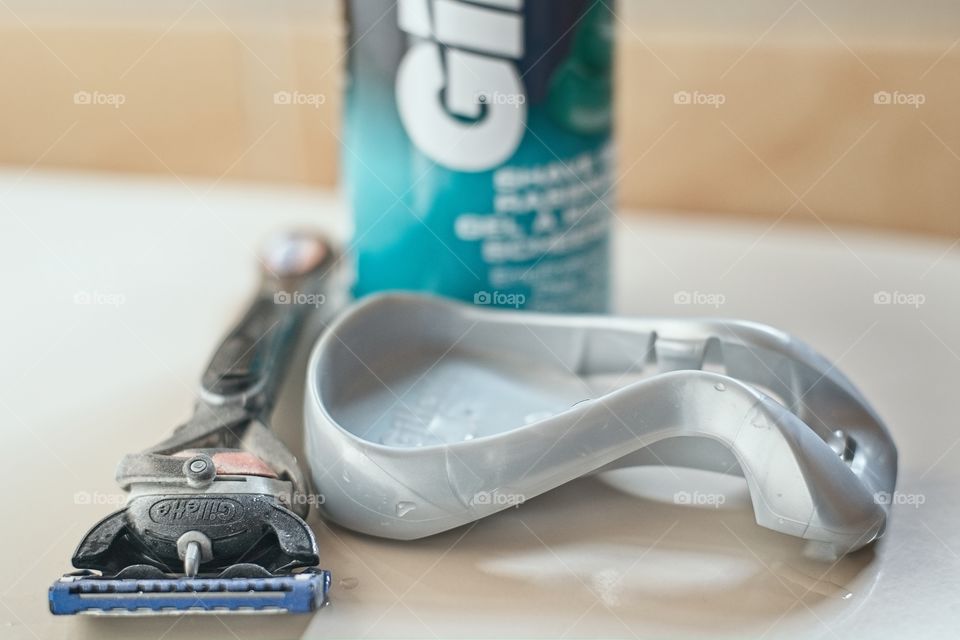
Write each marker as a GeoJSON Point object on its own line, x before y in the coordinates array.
{"type": "Point", "coordinates": [300, 593]}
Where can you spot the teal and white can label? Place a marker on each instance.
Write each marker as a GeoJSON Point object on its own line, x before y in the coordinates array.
{"type": "Point", "coordinates": [477, 149]}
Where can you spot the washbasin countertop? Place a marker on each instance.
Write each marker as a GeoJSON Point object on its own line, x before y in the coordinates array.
{"type": "Point", "coordinates": [117, 289]}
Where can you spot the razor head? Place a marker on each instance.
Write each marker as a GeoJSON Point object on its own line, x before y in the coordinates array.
{"type": "Point", "coordinates": [207, 532]}
{"type": "Point", "coordinates": [200, 514]}
{"type": "Point", "coordinates": [225, 529]}
{"type": "Point", "coordinates": [113, 596]}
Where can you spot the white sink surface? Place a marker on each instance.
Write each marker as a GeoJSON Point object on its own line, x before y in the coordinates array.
{"type": "Point", "coordinates": [116, 291]}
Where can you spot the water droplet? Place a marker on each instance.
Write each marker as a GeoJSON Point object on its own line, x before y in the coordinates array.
{"type": "Point", "coordinates": [403, 508]}
{"type": "Point", "coordinates": [349, 583]}
{"type": "Point", "coordinates": [346, 476]}
{"type": "Point", "coordinates": [720, 386]}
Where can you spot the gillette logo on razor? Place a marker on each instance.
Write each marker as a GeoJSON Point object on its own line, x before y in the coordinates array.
{"type": "Point", "coordinates": [466, 53]}
{"type": "Point", "coordinates": [195, 510]}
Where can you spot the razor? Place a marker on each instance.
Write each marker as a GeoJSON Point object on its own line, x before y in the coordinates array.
{"type": "Point", "coordinates": [214, 519]}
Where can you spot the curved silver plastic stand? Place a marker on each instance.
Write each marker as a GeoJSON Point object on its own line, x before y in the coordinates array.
{"type": "Point", "coordinates": [423, 415]}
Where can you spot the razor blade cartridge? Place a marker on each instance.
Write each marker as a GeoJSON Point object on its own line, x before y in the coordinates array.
{"type": "Point", "coordinates": [94, 595]}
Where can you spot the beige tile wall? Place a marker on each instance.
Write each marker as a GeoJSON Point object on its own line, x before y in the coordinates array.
{"type": "Point", "coordinates": [798, 135]}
